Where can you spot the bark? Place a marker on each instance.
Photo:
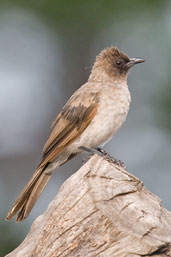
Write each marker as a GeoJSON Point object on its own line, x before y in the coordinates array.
{"type": "Point", "coordinates": [101, 210]}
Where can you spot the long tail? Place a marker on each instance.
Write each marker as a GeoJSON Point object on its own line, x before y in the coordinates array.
{"type": "Point", "coordinates": [29, 195]}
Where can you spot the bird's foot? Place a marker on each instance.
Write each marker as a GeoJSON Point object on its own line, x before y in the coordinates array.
{"type": "Point", "coordinates": [102, 151]}
{"type": "Point", "coordinates": [104, 154]}
{"type": "Point", "coordinates": [110, 158]}
{"type": "Point", "coordinates": [118, 162]}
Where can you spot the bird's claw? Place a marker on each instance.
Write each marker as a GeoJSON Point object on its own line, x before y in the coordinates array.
{"type": "Point", "coordinates": [105, 155]}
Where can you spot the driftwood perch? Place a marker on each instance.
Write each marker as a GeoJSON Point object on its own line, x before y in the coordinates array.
{"type": "Point", "coordinates": [102, 211]}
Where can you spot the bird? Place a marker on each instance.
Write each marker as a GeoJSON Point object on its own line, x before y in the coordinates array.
{"type": "Point", "coordinates": [89, 119]}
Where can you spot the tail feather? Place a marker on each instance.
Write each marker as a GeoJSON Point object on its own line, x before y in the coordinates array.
{"type": "Point", "coordinates": [29, 195]}
{"type": "Point", "coordinates": [35, 193]}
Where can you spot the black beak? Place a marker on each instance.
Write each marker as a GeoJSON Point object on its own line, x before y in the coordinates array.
{"type": "Point", "coordinates": [134, 61]}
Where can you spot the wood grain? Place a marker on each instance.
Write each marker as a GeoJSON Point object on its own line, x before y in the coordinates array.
{"type": "Point", "coordinates": [101, 210]}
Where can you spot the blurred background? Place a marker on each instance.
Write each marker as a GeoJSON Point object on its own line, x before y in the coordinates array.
{"type": "Point", "coordinates": [47, 49]}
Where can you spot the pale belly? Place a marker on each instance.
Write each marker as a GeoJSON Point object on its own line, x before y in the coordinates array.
{"type": "Point", "coordinates": [112, 113]}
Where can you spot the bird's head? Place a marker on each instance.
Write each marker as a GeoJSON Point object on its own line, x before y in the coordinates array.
{"type": "Point", "coordinates": [114, 63]}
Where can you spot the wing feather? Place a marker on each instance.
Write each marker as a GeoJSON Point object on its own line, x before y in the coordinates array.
{"type": "Point", "coordinates": [69, 125]}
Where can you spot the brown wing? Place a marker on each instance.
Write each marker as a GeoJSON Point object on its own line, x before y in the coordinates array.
{"type": "Point", "coordinates": [74, 118]}
{"type": "Point", "coordinates": [68, 125]}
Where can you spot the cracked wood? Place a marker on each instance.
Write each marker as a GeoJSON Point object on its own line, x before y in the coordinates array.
{"type": "Point", "coordinates": [103, 211]}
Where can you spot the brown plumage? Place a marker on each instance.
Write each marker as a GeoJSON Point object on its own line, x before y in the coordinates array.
{"type": "Point", "coordinates": [89, 118]}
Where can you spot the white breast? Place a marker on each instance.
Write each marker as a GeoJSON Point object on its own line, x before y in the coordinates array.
{"type": "Point", "coordinates": [113, 108]}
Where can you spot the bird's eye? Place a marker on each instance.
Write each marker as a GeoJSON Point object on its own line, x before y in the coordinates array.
{"type": "Point", "coordinates": [119, 63]}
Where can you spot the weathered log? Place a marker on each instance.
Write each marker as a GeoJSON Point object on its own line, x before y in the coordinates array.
{"type": "Point", "coordinates": [101, 210]}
